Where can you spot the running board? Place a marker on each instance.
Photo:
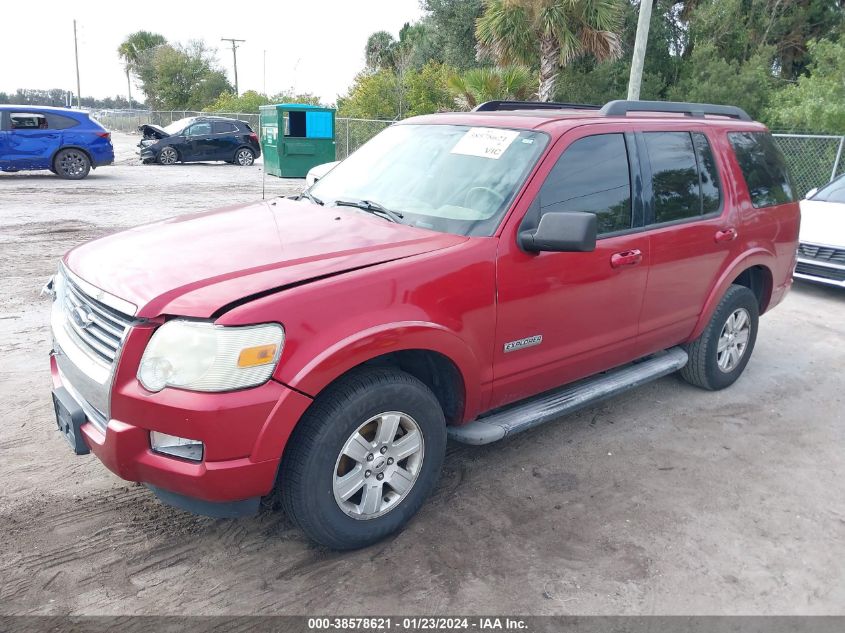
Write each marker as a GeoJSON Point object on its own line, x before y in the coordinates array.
{"type": "Point", "coordinates": [555, 404]}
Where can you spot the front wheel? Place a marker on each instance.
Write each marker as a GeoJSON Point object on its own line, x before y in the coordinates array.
{"type": "Point", "coordinates": [719, 356]}
{"type": "Point", "coordinates": [168, 156]}
{"type": "Point", "coordinates": [244, 157]}
{"type": "Point", "coordinates": [71, 164]}
{"type": "Point", "coordinates": [364, 458]}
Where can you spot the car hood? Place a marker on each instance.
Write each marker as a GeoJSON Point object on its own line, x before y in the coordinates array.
{"type": "Point", "coordinates": [195, 265]}
{"type": "Point", "coordinates": [823, 223]}
{"type": "Point", "coordinates": [148, 129]}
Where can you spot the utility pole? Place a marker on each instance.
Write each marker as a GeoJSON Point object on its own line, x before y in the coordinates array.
{"type": "Point", "coordinates": [235, 57]}
{"type": "Point", "coordinates": [76, 55]}
{"type": "Point", "coordinates": [636, 77]}
{"type": "Point", "coordinates": [264, 74]}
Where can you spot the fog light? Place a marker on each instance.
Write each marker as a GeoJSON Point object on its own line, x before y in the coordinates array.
{"type": "Point", "coordinates": [176, 446]}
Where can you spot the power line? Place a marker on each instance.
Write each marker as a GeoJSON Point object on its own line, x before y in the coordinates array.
{"type": "Point", "coordinates": [235, 57]}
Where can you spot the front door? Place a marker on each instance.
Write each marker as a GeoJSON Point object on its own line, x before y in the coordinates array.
{"type": "Point", "coordinates": [563, 316]}
{"type": "Point", "coordinates": [31, 143]}
{"type": "Point", "coordinates": [198, 143]}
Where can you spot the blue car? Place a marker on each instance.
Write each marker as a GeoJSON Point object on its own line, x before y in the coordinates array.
{"type": "Point", "coordinates": [67, 142]}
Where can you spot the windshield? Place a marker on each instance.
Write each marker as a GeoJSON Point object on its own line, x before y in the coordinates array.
{"type": "Point", "coordinates": [832, 192]}
{"type": "Point", "coordinates": [450, 178]}
{"type": "Point", "coordinates": [177, 126]}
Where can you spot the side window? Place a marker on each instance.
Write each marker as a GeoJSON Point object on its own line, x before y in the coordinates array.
{"type": "Point", "coordinates": [674, 176]}
{"type": "Point", "coordinates": [28, 121]}
{"type": "Point", "coordinates": [711, 195]}
{"type": "Point", "coordinates": [59, 122]}
{"type": "Point", "coordinates": [592, 176]}
{"type": "Point", "coordinates": [221, 127]}
{"type": "Point", "coordinates": [199, 129]}
{"type": "Point", "coordinates": [763, 168]}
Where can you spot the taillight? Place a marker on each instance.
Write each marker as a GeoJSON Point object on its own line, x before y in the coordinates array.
{"type": "Point", "coordinates": [254, 136]}
{"type": "Point", "coordinates": [105, 135]}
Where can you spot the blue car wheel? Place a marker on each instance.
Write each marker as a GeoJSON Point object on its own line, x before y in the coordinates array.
{"type": "Point", "coordinates": [72, 164]}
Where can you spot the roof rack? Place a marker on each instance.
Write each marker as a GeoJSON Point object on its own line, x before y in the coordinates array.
{"type": "Point", "coordinates": [493, 106]}
{"type": "Point", "coordinates": [622, 108]}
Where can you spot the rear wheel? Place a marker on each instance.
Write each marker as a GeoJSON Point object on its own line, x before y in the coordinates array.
{"type": "Point", "coordinates": [719, 356]}
{"type": "Point", "coordinates": [168, 155]}
{"type": "Point", "coordinates": [364, 458]}
{"type": "Point", "coordinates": [244, 157]}
{"type": "Point", "coordinates": [71, 164]}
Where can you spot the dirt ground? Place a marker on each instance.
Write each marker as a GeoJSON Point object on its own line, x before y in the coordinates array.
{"type": "Point", "coordinates": [667, 500]}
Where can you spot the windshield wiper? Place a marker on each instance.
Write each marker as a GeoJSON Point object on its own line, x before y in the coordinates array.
{"type": "Point", "coordinates": [372, 207]}
{"type": "Point", "coordinates": [307, 194]}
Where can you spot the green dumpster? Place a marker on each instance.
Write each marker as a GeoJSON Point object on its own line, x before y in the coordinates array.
{"type": "Point", "coordinates": [295, 137]}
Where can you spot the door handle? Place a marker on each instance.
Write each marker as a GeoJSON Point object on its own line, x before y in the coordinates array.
{"type": "Point", "coordinates": [626, 258]}
{"type": "Point", "coordinates": [726, 235]}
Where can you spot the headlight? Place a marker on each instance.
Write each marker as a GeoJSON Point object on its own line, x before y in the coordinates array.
{"type": "Point", "coordinates": [202, 356]}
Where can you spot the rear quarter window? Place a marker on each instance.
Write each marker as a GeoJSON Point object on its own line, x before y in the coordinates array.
{"type": "Point", "coordinates": [763, 168]}
{"type": "Point", "coordinates": [59, 122]}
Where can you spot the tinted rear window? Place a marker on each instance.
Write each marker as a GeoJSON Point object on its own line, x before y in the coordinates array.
{"type": "Point", "coordinates": [763, 168]}
{"type": "Point", "coordinates": [221, 127]}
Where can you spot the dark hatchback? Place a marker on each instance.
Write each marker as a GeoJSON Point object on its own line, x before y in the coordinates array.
{"type": "Point", "coordinates": [195, 139]}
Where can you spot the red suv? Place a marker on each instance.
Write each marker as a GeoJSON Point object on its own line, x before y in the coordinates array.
{"type": "Point", "coordinates": [467, 275]}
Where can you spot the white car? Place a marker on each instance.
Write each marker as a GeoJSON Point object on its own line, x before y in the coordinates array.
{"type": "Point", "coordinates": [821, 253]}
{"type": "Point", "coordinates": [315, 173]}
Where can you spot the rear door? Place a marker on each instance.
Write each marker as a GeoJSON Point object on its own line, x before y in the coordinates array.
{"type": "Point", "coordinates": [31, 142]}
{"type": "Point", "coordinates": [563, 316]}
{"type": "Point", "coordinates": [224, 140]}
{"type": "Point", "coordinates": [692, 223]}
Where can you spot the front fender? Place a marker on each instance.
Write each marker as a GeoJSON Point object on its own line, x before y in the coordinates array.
{"type": "Point", "coordinates": [337, 359]}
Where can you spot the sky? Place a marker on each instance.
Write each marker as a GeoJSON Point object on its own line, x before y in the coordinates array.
{"type": "Point", "coordinates": [314, 46]}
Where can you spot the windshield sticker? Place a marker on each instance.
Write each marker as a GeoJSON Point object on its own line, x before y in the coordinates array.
{"type": "Point", "coordinates": [485, 142]}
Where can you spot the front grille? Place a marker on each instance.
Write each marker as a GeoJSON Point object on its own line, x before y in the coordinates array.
{"type": "Point", "coordinates": [822, 253]}
{"type": "Point", "coordinates": [824, 272]}
{"type": "Point", "coordinates": [100, 329]}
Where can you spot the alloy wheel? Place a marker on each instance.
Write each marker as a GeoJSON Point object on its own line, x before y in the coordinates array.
{"type": "Point", "coordinates": [733, 340]}
{"type": "Point", "coordinates": [244, 158]}
{"type": "Point", "coordinates": [72, 163]}
{"type": "Point", "coordinates": [167, 156]}
{"type": "Point", "coordinates": [378, 465]}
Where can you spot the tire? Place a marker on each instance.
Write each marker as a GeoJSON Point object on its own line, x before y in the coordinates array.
{"type": "Point", "coordinates": [167, 155]}
{"type": "Point", "coordinates": [364, 402]}
{"type": "Point", "coordinates": [708, 366]}
{"type": "Point", "coordinates": [71, 164]}
{"type": "Point", "coordinates": [244, 157]}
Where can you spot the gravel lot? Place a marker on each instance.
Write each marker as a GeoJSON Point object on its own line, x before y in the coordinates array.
{"type": "Point", "coordinates": [667, 500]}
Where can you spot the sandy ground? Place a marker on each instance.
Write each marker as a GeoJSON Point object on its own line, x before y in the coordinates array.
{"type": "Point", "coordinates": [668, 500]}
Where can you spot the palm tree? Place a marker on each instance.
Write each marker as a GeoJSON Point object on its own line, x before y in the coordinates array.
{"type": "Point", "coordinates": [486, 84]}
{"type": "Point", "coordinates": [133, 48]}
{"type": "Point", "coordinates": [551, 32]}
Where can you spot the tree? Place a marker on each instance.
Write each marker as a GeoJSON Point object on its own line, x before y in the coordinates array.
{"type": "Point", "coordinates": [373, 95]}
{"type": "Point", "coordinates": [708, 77]}
{"type": "Point", "coordinates": [378, 52]}
{"type": "Point", "coordinates": [450, 26]}
{"type": "Point", "coordinates": [817, 101]}
{"type": "Point", "coordinates": [176, 77]}
{"type": "Point", "coordinates": [427, 89]}
{"type": "Point", "coordinates": [486, 84]}
{"type": "Point", "coordinates": [133, 48]}
{"type": "Point", "coordinates": [549, 34]}
{"type": "Point", "coordinates": [251, 100]}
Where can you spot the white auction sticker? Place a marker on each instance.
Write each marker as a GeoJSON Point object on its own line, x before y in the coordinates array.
{"type": "Point", "coordinates": [486, 142]}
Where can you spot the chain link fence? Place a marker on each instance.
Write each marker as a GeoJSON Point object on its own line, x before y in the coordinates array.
{"type": "Point", "coordinates": [350, 133]}
{"type": "Point", "coordinates": [813, 159]}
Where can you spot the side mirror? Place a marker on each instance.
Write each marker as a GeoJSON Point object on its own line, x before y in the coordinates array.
{"type": "Point", "coordinates": [561, 232]}
{"type": "Point", "coordinates": [811, 192]}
